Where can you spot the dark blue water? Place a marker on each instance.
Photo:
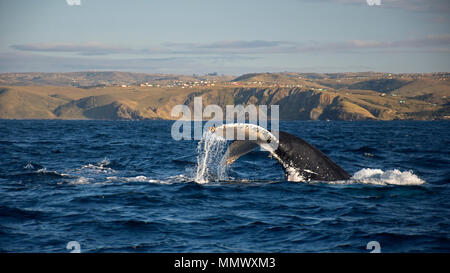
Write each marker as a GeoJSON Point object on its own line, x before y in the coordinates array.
{"type": "Point", "coordinates": [128, 187]}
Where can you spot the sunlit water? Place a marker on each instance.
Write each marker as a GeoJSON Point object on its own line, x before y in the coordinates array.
{"type": "Point", "coordinates": [129, 187]}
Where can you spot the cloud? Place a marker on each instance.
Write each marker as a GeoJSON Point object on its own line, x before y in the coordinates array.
{"type": "Point", "coordinates": [433, 43]}
{"type": "Point", "coordinates": [30, 62]}
{"type": "Point", "coordinates": [230, 47]}
{"type": "Point", "coordinates": [245, 49]}
{"type": "Point", "coordinates": [429, 43]}
{"type": "Point", "coordinates": [90, 48]}
{"type": "Point", "coordinates": [23, 62]}
{"type": "Point", "coordinates": [243, 44]}
{"type": "Point", "coordinates": [35, 62]}
{"type": "Point", "coordinates": [95, 48]}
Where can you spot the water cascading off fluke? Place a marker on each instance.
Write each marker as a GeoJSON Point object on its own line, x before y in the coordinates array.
{"type": "Point", "coordinates": [210, 164]}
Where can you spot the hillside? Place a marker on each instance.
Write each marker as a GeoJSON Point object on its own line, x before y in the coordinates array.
{"type": "Point", "coordinates": [91, 79]}
{"type": "Point", "coordinates": [302, 96]}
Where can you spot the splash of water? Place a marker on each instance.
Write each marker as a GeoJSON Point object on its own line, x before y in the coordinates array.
{"type": "Point", "coordinates": [389, 177]}
{"type": "Point", "coordinates": [210, 159]}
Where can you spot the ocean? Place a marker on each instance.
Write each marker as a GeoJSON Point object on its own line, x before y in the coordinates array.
{"type": "Point", "coordinates": [127, 186]}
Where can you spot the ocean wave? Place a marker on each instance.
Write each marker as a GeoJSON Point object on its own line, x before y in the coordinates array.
{"type": "Point", "coordinates": [389, 177]}
{"type": "Point", "coordinates": [363, 176]}
{"type": "Point", "coordinates": [81, 181]}
{"type": "Point", "coordinates": [44, 171]}
{"type": "Point", "coordinates": [139, 178]}
{"type": "Point", "coordinates": [42, 174]}
{"type": "Point", "coordinates": [32, 166]}
{"type": "Point", "coordinates": [100, 167]}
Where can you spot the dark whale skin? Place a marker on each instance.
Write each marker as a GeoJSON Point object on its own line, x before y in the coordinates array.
{"type": "Point", "coordinates": [309, 161]}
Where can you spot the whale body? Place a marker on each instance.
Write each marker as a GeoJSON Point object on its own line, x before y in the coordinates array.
{"type": "Point", "coordinates": [300, 160]}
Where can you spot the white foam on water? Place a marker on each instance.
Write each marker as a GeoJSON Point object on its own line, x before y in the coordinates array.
{"type": "Point", "coordinates": [139, 178]}
{"type": "Point", "coordinates": [210, 163]}
{"type": "Point", "coordinates": [29, 166]}
{"type": "Point", "coordinates": [81, 181]}
{"type": "Point", "coordinates": [100, 173]}
{"type": "Point", "coordinates": [45, 171]}
{"type": "Point", "coordinates": [177, 179]}
{"type": "Point", "coordinates": [389, 177]}
{"type": "Point", "coordinates": [294, 175]}
{"type": "Point", "coordinates": [101, 167]}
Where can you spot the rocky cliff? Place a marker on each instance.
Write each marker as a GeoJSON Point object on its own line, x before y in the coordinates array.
{"type": "Point", "coordinates": [421, 100]}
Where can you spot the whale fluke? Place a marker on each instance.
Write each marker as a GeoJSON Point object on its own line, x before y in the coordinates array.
{"type": "Point", "coordinates": [308, 161]}
{"type": "Point", "coordinates": [300, 160]}
{"type": "Point", "coordinates": [239, 148]}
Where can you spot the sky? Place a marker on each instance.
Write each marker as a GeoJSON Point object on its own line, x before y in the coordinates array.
{"type": "Point", "coordinates": [225, 36]}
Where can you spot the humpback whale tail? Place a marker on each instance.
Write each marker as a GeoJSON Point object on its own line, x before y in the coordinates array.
{"type": "Point", "coordinates": [300, 160]}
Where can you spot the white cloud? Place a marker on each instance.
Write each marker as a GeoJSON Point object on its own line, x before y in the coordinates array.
{"type": "Point", "coordinates": [430, 43]}
{"type": "Point", "coordinates": [90, 48]}
{"type": "Point", "coordinates": [241, 48]}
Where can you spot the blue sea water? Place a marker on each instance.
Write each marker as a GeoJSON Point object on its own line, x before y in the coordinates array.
{"type": "Point", "coordinates": [127, 186]}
